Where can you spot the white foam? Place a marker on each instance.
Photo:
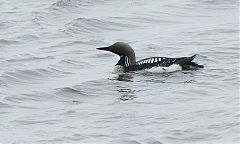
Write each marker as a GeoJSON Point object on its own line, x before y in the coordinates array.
{"type": "Point", "coordinates": [159, 69]}
{"type": "Point", "coordinates": [118, 69]}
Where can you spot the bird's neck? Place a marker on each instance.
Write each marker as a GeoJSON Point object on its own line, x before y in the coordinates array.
{"type": "Point", "coordinates": [126, 61]}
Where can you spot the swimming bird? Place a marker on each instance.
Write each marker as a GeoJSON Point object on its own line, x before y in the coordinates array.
{"type": "Point", "coordinates": [128, 63]}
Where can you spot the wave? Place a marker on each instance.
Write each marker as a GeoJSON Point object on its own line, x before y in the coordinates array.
{"type": "Point", "coordinates": [76, 3]}
{"type": "Point", "coordinates": [28, 76]}
{"type": "Point", "coordinates": [70, 91]}
{"type": "Point", "coordinates": [8, 42]}
{"type": "Point", "coordinates": [28, 59]}
{"type": "Point", "coordinates": [93, 25]}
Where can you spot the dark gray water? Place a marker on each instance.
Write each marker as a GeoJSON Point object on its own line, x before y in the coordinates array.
{"type": "Point", "coordinates": [56, 88]}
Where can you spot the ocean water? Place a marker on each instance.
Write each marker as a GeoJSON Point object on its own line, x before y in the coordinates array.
{"type": "Point", "coordinates": [56, 88]}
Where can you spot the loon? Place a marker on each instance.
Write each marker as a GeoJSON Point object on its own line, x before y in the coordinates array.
{"type": "Point", "coordinates": [128, 63]}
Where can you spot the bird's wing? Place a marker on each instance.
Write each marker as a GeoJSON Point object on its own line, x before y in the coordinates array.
{"type": "Point", "coordinates": [159, 61]}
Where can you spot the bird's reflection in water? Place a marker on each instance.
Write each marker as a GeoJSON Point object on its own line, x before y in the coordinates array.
{"type": "Point", "coordinates": [126, 92]}
{"type": "Point", "coordinates": [124, 77]}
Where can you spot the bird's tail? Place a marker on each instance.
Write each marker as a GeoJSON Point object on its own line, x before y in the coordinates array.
{"type": "Point", "coordinates": [187, 63]}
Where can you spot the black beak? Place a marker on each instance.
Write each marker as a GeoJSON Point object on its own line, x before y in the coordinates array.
{"type": "Point", "coordinates": [103, 48]}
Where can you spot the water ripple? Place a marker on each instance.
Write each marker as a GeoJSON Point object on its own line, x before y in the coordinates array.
{"type": "Point", "coordinates": [55, 87]}
{"type": "Point", "coordinates": [86, 26]}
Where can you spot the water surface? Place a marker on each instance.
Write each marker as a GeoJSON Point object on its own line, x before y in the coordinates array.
{"type": "Point", "coordinates": [55, 87]}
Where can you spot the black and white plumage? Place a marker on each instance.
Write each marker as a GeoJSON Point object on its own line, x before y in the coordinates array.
{"type": "Point", "coordinates": [128, 62]}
